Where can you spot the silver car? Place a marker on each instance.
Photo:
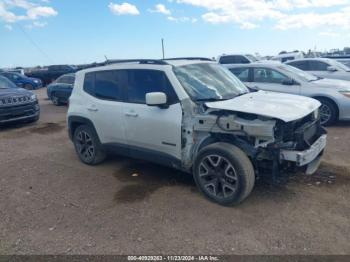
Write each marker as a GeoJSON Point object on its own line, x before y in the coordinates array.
{"type": "Point", "coordinates": [333, 94]}
{"type": "Point", "coordinates": [322, 67]}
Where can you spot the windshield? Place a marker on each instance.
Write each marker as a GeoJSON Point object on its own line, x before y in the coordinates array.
{"type": "Point", "coordinates": [299, 73]}
{"type": "Point", "coordinates": [340, 65]}
{"type": "Point", "coordinates": [6, 84]}
{"type": "Point", "coordinates": [209, 81]}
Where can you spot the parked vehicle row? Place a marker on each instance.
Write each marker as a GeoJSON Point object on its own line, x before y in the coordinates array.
{"type": "Point", "coordinates": [195, 116]}
{"type": "Point", "coordinates": [333, 94]}
{"type": "Point", "coordinates": [51, 73]}
{"type": "Point", "coordinates": [22, 80]}
{"type": "Point", "coordinates": [322, 67]}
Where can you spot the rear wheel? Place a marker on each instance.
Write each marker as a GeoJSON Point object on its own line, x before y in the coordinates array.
{"type": "Point", "coordinates": [87, 146]}
{"type": "Point", "coordinates": [328, 112]}
{"type": "Point", "coordinates": [55, 100]}
{"type": "Point", "coordinates": [224, 174]}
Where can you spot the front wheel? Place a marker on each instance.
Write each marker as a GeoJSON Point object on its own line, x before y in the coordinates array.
{"type": "Point", "coordinates": [224, 174]}
{"type": "Point", "coordinates": [328, 112]}
{"type": "Point", "coordinates": [87, 146]}
{"type": "Point", "coordinates": [55, 100]}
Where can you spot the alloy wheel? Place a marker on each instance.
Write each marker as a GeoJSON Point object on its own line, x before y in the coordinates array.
{"type": "Point", "coordinates": [85, 146]}
{"type": "Point", "coordinates": [218, 177]}
{"type": "Point", "coordinates": [55, 100]}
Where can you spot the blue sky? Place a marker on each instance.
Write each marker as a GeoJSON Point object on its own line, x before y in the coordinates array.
{"type": "Point", "coordinates": [41, 32]}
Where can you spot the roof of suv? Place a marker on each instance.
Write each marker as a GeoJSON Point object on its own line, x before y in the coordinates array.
{"type": "Point", "coordinates": [112, 64]}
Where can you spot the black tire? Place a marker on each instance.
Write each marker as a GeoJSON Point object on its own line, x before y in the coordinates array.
{"type": "Point", "coordinates": [88, 146]}
{"type": "Point", "coordinates": [328, 112]}
{"type": "Point", "coordinates": [28, 87]}
{"type": "Point", "coordinates": [241, 178]}
{"type": "Point", "coordinates": [55, 100]}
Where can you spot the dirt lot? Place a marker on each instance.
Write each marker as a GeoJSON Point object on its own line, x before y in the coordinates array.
{"type": "Point", "coordinates": [53, 204]}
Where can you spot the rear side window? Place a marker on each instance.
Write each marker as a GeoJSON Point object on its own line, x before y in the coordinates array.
{"type": "Point", "coordinates": [302, 65]}
{"type": "Point", "coordinates": [106, 85]}
{"type": "Point", "coordinates": [142, 82]}
{"type": "Point", "coordinates": [109, 84]}
{"type": "Point", "coordinates": [318, 66]}
{"type": "Point", "coordinates": [66, 80]}
{"type": "Point", "coordinates": [241, 73]}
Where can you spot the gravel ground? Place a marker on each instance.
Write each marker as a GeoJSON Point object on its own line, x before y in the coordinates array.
{"type": "Point", "coordinates": [53, 204]}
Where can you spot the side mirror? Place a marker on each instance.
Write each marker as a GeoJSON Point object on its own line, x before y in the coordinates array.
{"type": "Point", "coordinates": [156, 99]}
{"type": "Point", "coordinates": [331, 69]}
{"type": "Point", "coordinates": [288, 82]}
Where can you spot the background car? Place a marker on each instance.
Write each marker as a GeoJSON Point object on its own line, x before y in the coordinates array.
{"type": "Point", "coordinates": [22, 80]}
{"type": "Point", "coordinates": [333, 94]}
{"type": "Point", "coordinates": [287, 56]}
{"type": "Point", "coordinates": [51, 73]}
{"type": "Point", "coordinates": [60, 90]}
{"type": "Point", "coordinates": [236, 59]}
{"type": "Point", "coordinates": [17, 104]}
{"type": "Point", "coordinates": [322, 67]}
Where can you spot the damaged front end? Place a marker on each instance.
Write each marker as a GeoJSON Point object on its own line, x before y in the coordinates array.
{"type": "Point", "coordinates": [276, 148]}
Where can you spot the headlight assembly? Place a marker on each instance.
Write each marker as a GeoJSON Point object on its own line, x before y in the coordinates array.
{"type": "Point", "coordinates": [33, 98]}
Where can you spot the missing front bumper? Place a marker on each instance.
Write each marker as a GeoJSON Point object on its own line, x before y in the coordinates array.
{"type": "Point", "coordinates": [303, 158]}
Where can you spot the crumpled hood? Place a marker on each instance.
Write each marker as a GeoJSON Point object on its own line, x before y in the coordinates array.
{"type": "Point", "coordinates": [285, 107]}
{"type": "Point", "coordinates": [14, 92]}
{"type": "Point", "coordinates": [336, 84]}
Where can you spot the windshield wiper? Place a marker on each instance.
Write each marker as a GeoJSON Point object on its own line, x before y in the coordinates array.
{"type": "Point", "coordinates": [210, 99]}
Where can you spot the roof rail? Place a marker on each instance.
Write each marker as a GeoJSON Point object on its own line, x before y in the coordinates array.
{"type": "Point", "coordinates": [189, 58]}
{"type": "Point", "coordinates": [140, 61]}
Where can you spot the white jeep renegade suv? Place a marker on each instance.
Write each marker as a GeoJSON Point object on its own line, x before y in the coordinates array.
{"type": "Point", "coordinates": [196, 116]}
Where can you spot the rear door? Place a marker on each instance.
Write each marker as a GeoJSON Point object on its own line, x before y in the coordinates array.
{"type": "Point", "coordinates": [272, 80]}
{"type": "Point", "coordinates": [104, 103]}
{"type": "Point", "coordinates": [151, 131]}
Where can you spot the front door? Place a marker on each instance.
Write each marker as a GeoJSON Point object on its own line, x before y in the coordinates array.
{"type": "Point", "coordinates": [271, 80]}
{"type": "Point", "coordinates": [151, 130]}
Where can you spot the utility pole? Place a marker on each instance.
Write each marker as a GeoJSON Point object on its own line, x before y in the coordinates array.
{"type": "Point", "coordinates": [163, 48]}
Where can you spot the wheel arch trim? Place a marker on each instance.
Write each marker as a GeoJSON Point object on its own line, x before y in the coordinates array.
{"type": "Point", "coordinates": [75, 121]}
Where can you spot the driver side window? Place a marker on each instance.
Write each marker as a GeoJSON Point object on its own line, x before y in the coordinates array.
{"type": "Point", "coordinates": [266, 75]}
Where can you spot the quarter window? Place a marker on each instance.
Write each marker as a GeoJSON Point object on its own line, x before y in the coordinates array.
{"type": "Point", "coordinates": [142, 82]}
{"type": "Point", "coordinates": [265, 75]}
{"type": "Point", "coordinates": [89, 83]}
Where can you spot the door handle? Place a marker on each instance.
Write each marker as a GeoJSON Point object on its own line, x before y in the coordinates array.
{"type": "Point", "coordinates": [132, 114]}
{"type": "Point", "coordinates": [92, 109]}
